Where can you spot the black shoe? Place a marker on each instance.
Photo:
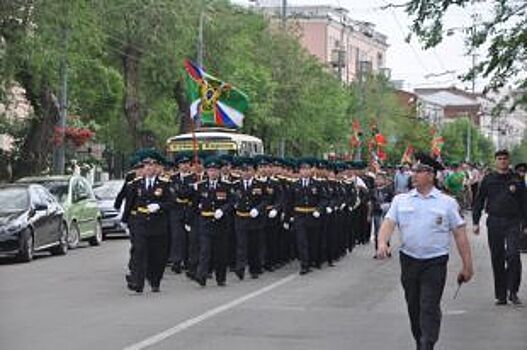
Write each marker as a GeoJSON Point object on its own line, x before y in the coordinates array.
{"type": "Point", "coordinates": [513, 297]}
{"type": "Point", "coordinates": [239, 274]}
{"type": "Point", "coordinates": [501, 302]}
{"type": "Point", "coordinates": [221, 284]}
{"type": "Point", "coordinates": [254, 276]}
{"type": "Point", "coordinates": [128, 278]}
{"type": "Point", "coordinates": [304, 271]}
{"type": "Point", "coordinates": [134, 288]}
{"type": "Point", "coordinates": [190, 275]}
{"type": "Point", "coordinates": [155, 289]}
{"type": "Point", "coordinates": [202, 281]}
{"type": "Point", "coordinates": [176, 268]}
{"type": "Point", "coordinates": [330, 264]}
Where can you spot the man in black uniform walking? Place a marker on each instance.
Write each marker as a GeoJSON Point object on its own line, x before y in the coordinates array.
{"type": "Point", "coordinates": [249, 211]}
{"type": "Point", "coordinates": [181, 214]}
{"type": "Point", "coordinates": [149, 201]}
{"type": "Point", "coordinates": [214, 205]}
{"type": "Point", "coordinates": [308, 203]}
{"type": "Point", "coordinates": [502, 193]}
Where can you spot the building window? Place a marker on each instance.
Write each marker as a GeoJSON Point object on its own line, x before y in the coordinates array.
{"type": "Point", "coordinates": [380, 62]}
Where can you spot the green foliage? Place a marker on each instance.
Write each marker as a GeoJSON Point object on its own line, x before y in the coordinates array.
{"type": "Point", "coordinates": [519, 153]}
{"type": "Point", "coordinates": [455, 147]}
{"type": "Point", "coordinates": [504, 36]}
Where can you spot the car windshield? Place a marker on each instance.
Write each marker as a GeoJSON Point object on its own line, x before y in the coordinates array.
{"type": "Point", "coordinates": [14, 199]}
{"type": "Point", "coordinates": [108, 190]}
{"type": "Point", "coordinates": [57, 189]}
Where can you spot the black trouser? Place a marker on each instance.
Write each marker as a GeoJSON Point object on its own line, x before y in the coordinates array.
{"type": "Point", "coordinates": [149, 253]}
{"type": "Point", "coordinates": [213, 245]}
{"type": "Point", "coordinates": [193, 246]}
{"type": "Point", "coordinates": [503, 236]}
{"type": "Point", "coordinates": [178, 242]}
{"type": "Point", "coordinates": [272, 242]}
{"type": "Point", "coordinates": [306, 229]}
{"type": "Point", "coordinates": [423, 282]}
{"type": "Point", "coordinates": [248, 241]}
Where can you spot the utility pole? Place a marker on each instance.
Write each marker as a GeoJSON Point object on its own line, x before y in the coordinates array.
{"type": "Point", "coordinates": [59, 152]}
{"type": "Point", "coordinates": [284, 14]}
{"type": "Point", "coordinates": [474, 55]}
{"type": "Point", "coordinates": [200, 38]}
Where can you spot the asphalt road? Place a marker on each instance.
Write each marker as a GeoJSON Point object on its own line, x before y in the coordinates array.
{"type": "Point", "coordinates": [79, 302]}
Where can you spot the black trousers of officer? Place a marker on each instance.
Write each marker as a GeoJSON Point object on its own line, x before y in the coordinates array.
{"type": "Point", "coordinates": [213, 246]}
{"type": "Point", "coordinates": [248, 240]}
{"type": "Point", "coordinates": [178, 242]}
{"type": "Point", "coordinates": [307, 233]}
{"type": "Point", "coordinates": [193, 248]}
{"type": "Point", "coordinates": [272, 242]}
{"type": "Point", "coordinates": [149, 253]}
{"type": "Point", "coordinates": [503, 237]}
{"type": "Point", "coordinates": [423, 282]}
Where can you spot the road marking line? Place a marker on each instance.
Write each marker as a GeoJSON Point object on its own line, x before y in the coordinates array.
{"type": "Point", "coordinates": [211, 313]}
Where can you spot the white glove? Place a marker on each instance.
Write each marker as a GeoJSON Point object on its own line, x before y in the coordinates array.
{"type": "Point", "coordinates": [286, 225]}
{"type": "Point", "coordinates": [153, 207]}
{"type": "Point", "coordinates": [329, 210]}
{"type": "Point", "coordinates": [342, 206]}
{"type": "Point", "coordinates": [254, 212]}
{"type": "Point", "coordinates": [385, 206]}
{"type": "Point", "coordinates": [316, 214]}
{"type": "Point", "coordinates": [218, 214]}
{"type": "Point", "coordinates": [273, 213]}
{"type": "Point", "coordinates": [187, 228]}
{"type": "Point", "coordinates": [350, 208]}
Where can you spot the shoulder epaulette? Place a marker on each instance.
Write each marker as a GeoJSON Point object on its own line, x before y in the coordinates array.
{"type": "Point", "coordinates": [164, 178]}
{"type": "Point", "coordinates": [135, 180]}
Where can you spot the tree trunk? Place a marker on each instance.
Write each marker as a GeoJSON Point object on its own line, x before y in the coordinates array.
{"type": "Point", "coordinates": [37, 147]}
{"type": "Point", "coordinates": [184, 108]}
{"type": "Point", "coordinates": [132, 105]}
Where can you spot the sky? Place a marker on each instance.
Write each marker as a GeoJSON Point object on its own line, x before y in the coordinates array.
{"type": "Point", "coordinates": [408, 61]}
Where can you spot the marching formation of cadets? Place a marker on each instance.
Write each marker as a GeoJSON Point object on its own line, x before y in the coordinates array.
{"type": "Point", "coordinates": [245, 215]}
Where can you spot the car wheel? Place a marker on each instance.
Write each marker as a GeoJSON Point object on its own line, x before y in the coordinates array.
{"type": "Point", "coordinates": [97, 238]}
{"type": "Point", "coordinates": [62, 248]}
{"type": "Point", "coordinates": [74, 236]}
{"type": "Point", "coordinates": [27, 246]}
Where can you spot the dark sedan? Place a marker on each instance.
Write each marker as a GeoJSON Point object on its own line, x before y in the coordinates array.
{"type": "Point", "coordinates": [31, 220]}
{"type": "Point", "coordinates": [105, 193]}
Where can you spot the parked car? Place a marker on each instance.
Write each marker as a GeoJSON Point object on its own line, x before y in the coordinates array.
{"type": "Point", "coordinates": [31, 219]}
{"type": "Point", "coordinates": [106, 193]}
{"type": "Point", "coordinates": [81, 210]}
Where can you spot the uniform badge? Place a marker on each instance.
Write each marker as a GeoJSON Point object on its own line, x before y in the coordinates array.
{"type": "Point", "coordinates": [205, 194]}
{"type": "Point", "coordinates": [512, 188]}
{"type": "Point", "coordinates": [257, 191]}
{"type": "Point", "coordinates": [314, 190]}
{"type": "Point", "coordinates": [270, 190]}
{"type": "Point", "coordinates": [221, 196]}
{"type": "Point", "coordinates": [439, 221]}
{"type": "Point", "coordinates": [158, 192]}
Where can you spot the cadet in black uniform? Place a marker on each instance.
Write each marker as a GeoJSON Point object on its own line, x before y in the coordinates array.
{"type": "Point", "coordinates": [149, 202]}
{"type": "Point", "coordinates": [308, 202]}
{"type": "Point", "coordinates": [124, 196]}
{"type": "Point", "coordinates": [272, 196]}
{"type": "Point", "coordinates": [214, 205]}
{"type": "Point", "coordinates": [181, 216]}
{"type": "Point", "coordinates": [249, 212]}
{"type": "Point", "coordinates": [502, 193]}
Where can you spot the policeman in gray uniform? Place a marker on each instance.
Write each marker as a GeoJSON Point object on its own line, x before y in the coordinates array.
{"type": "Point", "coordinates": [425, 218]}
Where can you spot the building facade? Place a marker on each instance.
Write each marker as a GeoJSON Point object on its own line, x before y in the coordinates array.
{"type": "Point", "coordinates": [348, 47]}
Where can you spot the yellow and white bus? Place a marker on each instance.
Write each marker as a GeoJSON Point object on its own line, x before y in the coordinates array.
{"type": "Point", "coordinates": [216, 141]}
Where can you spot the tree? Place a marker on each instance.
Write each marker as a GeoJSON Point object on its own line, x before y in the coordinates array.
{"type": "Point", "coordinates": [455, 146]}
{"type": "Point", "coordinates": [505, 35]}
